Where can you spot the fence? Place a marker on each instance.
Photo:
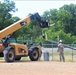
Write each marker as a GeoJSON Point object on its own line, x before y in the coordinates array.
{"type": "Point", "coordinates": [69, 52]}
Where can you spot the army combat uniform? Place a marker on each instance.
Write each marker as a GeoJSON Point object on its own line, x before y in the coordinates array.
{"type": "Point", "coordinates": [61, 51]}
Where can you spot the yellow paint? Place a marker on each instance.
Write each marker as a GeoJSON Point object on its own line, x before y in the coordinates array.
{"type": "Point", "coordinates": [12, 28]}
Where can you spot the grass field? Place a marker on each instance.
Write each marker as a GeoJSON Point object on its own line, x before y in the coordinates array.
{"type": "Point", "coordinates": [1, 58]}
{"type": "Point", "coordinates": [70, 56]}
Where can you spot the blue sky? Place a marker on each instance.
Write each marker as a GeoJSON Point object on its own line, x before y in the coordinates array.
{"type": "Point", "coordinates": [32, 6]}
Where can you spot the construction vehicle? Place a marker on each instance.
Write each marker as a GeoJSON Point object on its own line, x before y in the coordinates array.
{"type": "Point", "coordinates": [14, 51]}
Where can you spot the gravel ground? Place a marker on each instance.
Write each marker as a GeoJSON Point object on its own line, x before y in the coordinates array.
{"type": "Point", "coordinates": [37, 68]}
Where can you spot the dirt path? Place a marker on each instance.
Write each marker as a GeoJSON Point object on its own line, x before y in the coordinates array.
{"type": "Point", "coordinates": [37, 68]}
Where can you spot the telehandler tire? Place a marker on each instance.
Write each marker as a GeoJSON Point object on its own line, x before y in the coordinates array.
{"type": "Point", "coordinates": [34, 55]}
{"type": "Point", "coordinates": [9, 56]}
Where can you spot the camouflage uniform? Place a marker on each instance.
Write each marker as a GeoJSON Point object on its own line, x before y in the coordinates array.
{"type": "Point", "coordinates": [61, 51]}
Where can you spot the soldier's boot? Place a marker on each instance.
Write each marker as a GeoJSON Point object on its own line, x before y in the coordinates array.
{"type": "Point", "coordinates": [60, 59]}
{"type": "Point", "coordinates": [63, 59]}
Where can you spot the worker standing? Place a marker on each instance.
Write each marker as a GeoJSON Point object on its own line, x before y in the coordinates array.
{"type": "Point", "coordinates": [61, 51]}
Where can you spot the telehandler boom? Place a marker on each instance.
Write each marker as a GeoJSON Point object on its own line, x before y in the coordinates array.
{"type": "Point", "coordinates": [14, 51]}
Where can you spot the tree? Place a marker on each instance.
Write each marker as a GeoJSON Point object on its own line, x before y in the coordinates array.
{"type": "Point", "coordinates": [5, 13]}
{"type": "Point", "coordinates": [70, 26]}
{"type": "Point", "coordinates": [53, 16]}
{"type": "Point", "coordinates": [63, 21]}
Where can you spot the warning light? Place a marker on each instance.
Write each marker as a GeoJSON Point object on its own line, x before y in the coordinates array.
{"type": "Point", "coordinates": [0, 44]}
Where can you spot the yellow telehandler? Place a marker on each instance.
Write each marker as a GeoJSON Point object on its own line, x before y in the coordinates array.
{"type": "Point", "coordinates": [14, 51]}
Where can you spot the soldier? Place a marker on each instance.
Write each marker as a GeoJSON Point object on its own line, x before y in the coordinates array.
{"type": "Point", "coordinates": [61, 51]}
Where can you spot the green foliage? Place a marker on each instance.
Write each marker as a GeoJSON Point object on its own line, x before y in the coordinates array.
{"type": "Point", "coordinates": [69, 18]}
{"type": "Point", "coordinates": [62, 23]}
{"type": "Point", "coordinates": [30, 30]}
{"type": "Point", "coordinates": [6, 18]}
{"type": "Point", "coordinates": [67, 38]}
{"type": "Point", "coordinates": [5, 13]}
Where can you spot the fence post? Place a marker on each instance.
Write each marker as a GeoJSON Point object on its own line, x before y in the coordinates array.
{"type": "Point", "coordinates": [72, 55]}
{"type": "Point", "coordinates": [52, 51]}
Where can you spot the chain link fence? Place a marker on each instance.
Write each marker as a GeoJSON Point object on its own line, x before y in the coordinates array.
{"type": "Point", "coordinates": [69, 52]}
{"type": "Point", "coordinates": [49, 51]}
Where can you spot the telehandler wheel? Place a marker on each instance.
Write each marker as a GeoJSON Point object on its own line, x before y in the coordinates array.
{"type": "Point", "coordinates": [17, 58]}
{"type": "Point", "coordinates": [34, 55]}
{"type": "Point", "coordinates": [10, 56]}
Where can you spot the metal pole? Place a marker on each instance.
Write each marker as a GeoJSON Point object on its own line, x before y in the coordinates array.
{"type": "Point", "coordinates": [72, 55]}
{"type": "Point", "coordinates": [31, 39]}
{"type": "Point", "coordinates": [52, 51]}
{"type": "Point", "coordinates": [58, 38]}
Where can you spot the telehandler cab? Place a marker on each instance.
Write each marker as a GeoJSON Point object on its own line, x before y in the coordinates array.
{"type": "Point", "coordinates": [14, 51]}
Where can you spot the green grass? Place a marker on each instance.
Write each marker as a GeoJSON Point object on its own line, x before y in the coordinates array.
{"type": "Point", "coordinates": [1, 58]}
{"type": "Point", "coordinates": [69, 57]}
{"type": "Point", "coordinates": [25, 58]}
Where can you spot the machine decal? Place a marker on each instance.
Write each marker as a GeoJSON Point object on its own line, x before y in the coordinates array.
{"type": "Point", "coordinates": [22, 23]}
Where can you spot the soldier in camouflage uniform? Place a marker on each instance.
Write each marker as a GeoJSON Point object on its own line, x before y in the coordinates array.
{"type": "Point", "coordinates": [61, 51]}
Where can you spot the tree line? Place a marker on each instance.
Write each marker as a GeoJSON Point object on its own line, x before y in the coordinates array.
{"type": "Point", "coordinates": [62, 23]}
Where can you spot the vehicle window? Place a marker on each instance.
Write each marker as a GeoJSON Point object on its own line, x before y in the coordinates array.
{"type": "Point", "coordinates": [12, 40]}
